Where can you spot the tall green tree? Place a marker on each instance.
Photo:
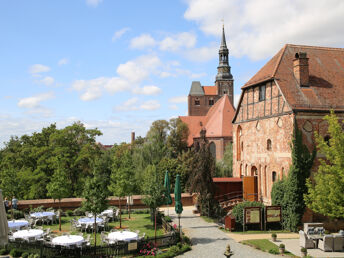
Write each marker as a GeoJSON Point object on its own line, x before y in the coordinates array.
{"type": "Point", "coordinates": [122, 177]}
{"type": "Point", "coordinates": [224, 167]}
{"type": "Point", "coordinates": [58, 187]}
{"type": "Point", "coordinates": [9, 184]}
{"type": "Point", "coordinates": [294, 186]}
{"type": "Point", "coordinates": [200, 180]}
{"type": "Point", "coordinates": [95, 195]}
{"type": "Point", "coordinates": [325, 191]}
{"type": "Point", "coordinates": [177, 138]}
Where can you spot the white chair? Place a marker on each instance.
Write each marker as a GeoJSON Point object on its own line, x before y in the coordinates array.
{"type": "Point", "coordinates": [326, 244]}
{"type": "Point", "coordinates": [305, 241]}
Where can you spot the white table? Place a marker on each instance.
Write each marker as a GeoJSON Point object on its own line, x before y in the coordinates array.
{"type": "Point", "coordinates": [17, 224]}
{"type": "Point", "coordinates": [122, 236]}
{"type": "Point", "coordinates": [25, 234]}
{"type": "Point", "coordinates": [68, 240]}
{"type": "Point", "coordinates": [37, 215]}
{"type": "Point", "coordinates": [89, 221]}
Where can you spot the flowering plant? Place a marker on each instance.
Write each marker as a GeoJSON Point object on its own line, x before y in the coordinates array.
{"type": "Point", "coordinates": [149, 249]}
{"type": "Point", "coordinates": [175, 226]}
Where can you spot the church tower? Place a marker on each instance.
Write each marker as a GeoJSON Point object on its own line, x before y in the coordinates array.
{"type": "Point", "coordinates": [224, 78]}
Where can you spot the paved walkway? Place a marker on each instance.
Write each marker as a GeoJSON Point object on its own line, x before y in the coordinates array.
{"type": "Point", "coordinates": [208, 241]}
{"type": "Point", "coordinates": [239, 236]}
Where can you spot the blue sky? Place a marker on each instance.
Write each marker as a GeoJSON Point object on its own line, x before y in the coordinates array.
{"type": "Point", "coordinates": [119, 65]}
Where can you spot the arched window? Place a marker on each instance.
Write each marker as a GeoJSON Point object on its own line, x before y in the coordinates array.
{"type": "Point", "coordinates": [274, 174]}
{"type": "Point", "coordinates": [212, 148]}
{"type": "Point", "coordinates": [238, 137]}
{"type": "Point", "coordinates": [268, 144]}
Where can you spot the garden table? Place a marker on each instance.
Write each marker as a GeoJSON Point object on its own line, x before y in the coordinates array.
{"type": "Point", "coordinates": [89, 221]}
{"type": "Point", "coordinates": [122, 236]}
{"type": "Point", "coordinates": [37, 215]}
{"type": "Point", "coordinates": [25, 234]}
{"type": "Point", "coordinates": [17, 224]}
{"type": "Point", "coordinates": [68, 240]}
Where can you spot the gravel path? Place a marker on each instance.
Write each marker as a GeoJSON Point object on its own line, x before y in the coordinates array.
{"type": "Point", "coordinates": [208, 241]}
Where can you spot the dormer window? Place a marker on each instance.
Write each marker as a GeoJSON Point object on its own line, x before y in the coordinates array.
{"type": "Point", "coordinates": [197, 102]}
{"type": "Point", "coordinates": [211, 102]}
{"type": "Point", "coordinates": [262, 93]}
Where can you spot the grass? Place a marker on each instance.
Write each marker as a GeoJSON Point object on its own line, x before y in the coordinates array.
{"type": "Point", "coordinates": [136, 222]}
{"type": "Point", "coordinates": [209, 220]}
{"type": "Point", "coordinates": [264, 245]}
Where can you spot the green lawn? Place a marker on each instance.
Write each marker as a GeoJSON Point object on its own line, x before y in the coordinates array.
{"type": "Point", "coordinates": [137, 222]}
{"type": "Point", "coordinates": [264, 245]}
{"type": "Point", "coordinates": [209, 220]}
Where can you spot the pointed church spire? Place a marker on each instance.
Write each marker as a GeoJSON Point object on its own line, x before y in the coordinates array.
{"type": "Point", "coordinates": [223, 41]}
{"type": "Point", "coordinates": [223, 70]}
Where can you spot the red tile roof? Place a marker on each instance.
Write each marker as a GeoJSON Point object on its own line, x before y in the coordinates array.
{"type": "Point", "coordinates": [226, 179]}
{"type": "Point", "coordinates": [217, 122]}
{"type": "Point", "coordinates": [210, 90]}
{"type": "Point", "coordinates": [326, 77]}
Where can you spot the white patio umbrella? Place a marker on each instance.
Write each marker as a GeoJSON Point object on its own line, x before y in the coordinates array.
{"type": "Point", "coordinates": [3, 222]}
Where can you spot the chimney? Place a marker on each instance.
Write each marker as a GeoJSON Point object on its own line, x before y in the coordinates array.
{"type": "Point", "coordinates": [132, 137]}
{"type": "Point", "coordinates": [301, 69]}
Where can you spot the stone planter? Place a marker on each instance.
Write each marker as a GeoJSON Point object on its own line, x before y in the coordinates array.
{"type": "Point", "coordinates": [303, 254]}
{"type": "Point", "coordinates": [274, 238]}
{"type": "Point", "coordinates": [281, 250]}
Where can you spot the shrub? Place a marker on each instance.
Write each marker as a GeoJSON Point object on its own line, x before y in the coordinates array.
{"type": "Point", "coordinates": [168, 219]}
{"type": "Point", "coordinates": [25, 255]}
{"type": "Point", "coordinates": [38, 209]}
{"type": "Point", "coordinates": [273, 235]}
{"type": "Point", "coordinates": [79, 212]}
{"type": "Point", "coordinates": [281, 246]}
{"type": "Point", "coordinates": [186, 240]}
{"type": "Point", "coordinates": [17, 214]}
{"type": "Point", "coordinates": [237, 211]}
{"type": "Point", "coordinates": [70, 213]}
{"type": "Point", "coordinates": [304, 250]}
{"type": "Point", "coordinates": [273, 251]}
{"type": "Point", "coordinates": [3, 251]}
{"type": "Point", "coordinates": [16, 252]}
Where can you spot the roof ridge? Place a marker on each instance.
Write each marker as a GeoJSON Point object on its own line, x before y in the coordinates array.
{"type": "Point", "coordinates": [279, 61]}
{"type": "Point", "coordinates": [316, 47]}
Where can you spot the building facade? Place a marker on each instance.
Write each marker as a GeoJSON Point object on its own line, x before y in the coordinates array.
{"type": "Point", "coordinates": [211, 109]}
{"type": "Point", "coordinates": [300, 84]}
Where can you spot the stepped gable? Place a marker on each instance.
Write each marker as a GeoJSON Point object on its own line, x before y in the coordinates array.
{"type": "Point", "coordinates": [326, 77]}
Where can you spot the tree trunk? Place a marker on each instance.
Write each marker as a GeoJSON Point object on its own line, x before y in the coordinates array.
{"type": "Point", "coordinates": [60, 215]}
{"type": "Point", "coordinates": [129, 208]}
{"type": "Point", "coordinates": [120, 213]}
{"type": "Point", "coordinates": [155, 226]}
{"type": "Point", "coordinates": [95, 230]}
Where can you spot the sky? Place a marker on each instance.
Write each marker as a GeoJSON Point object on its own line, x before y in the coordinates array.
{"type": "Point", "coordinates": [120, 65]}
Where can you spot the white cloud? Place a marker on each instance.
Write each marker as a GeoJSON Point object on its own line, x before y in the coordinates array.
{"type": "Point", "coordinates": [178, 41]}
{"type": "Point", "coordinates": [203, 54]}
{"type": "Point", "coordinates": [258, 29]}
{"type": "Point", "coordinates": [143, 41]}
{"type": "Point", "coordinates": [173, 107]}
{"type": "Point", "coordinates": [165, 74]}
{"type": "Point", "coordinates": [147, 90]}
{"type": "Point", "coordinates": [118, 34]}
{"type": "Point", "coordinates": [150, 105]}
{"type": "Point", "coordinates": [38, 68]}
{"type": "Point", "coordinates": [179, 99]}
{"type": "Point", "coordinates": [189, 73]}
{"type": "Point", "coordinates": [236, 100]}
{"type": "Point", "coordinates": [63, 61]}
{"type": "Point", "coordinates": [130, 75]}
{"type": "Point", "coordinates": [93, 3]}
{"type": "Point", "coordinates": [33, 102]}
{"type": "Point", "coordinates": [135, 104]}
{"type": "Point", "coordinates": [48, 80]}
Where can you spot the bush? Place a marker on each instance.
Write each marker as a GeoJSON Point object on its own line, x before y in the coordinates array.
{"type": "Point", "coordinates": [38, 209]}
{"type": "Point", "coordinates": [16, 252]}
{"type": "Point", "coordinates": [304, 250]}
{"type": "Point", "coordinates": [281, 246]}
{"type": "Point", "coordinates": [186, 240]}
{"type": "Point", "coordinates": [3, 251]}
{"type": "Point", "coordinates": [168, 219]}
{"type": "Point", "coordinates": [17, 214]}
{"type": "Point", "coordinates": [25, 255]}
{"type": "Point", "coordinates": [141, 211]}
{"type": "Point", "coordinates": [273, 251]}
{"type": "Point", "coordinates": [273, 235]}
{"type": "Point", "coordinates": [237, 211]}
{"type": "Point", "coordinates": [78, 212]}
{"type": "Point", "coordinates": [70, 213]}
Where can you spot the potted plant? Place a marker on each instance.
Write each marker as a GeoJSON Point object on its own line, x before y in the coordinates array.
{"type": "Point", "coordinates": [282, 248]}
{"type": "Point", "coordinates": [303, 251]}
{"type": "Point", "coordinates": [228, 253]}
{"type": "Point", "coordinates": [274, 237]}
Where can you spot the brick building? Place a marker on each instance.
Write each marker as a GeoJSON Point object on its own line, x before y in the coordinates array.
{"type": "Point", "coordinates": [300, 83]}
{"type": "Point", "coordinates": [211, 109]}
